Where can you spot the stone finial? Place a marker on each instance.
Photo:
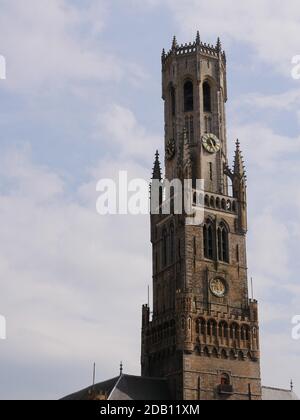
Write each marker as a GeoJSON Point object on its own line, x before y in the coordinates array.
{"type": "Point", "coordinates": [174, 43]}
{"type": "Point", "coordinates": [157, 168]}
{"type": "Point", "coordinates": [198, 40]}
{"type": "Point", "coordinates": [292, 385]}
{"type": "Point", "coordinates": [239, 168]}
{"type": "Point", "coordinates": [121, 368]}
{"type": "Point", "coordinates": [219, 45]}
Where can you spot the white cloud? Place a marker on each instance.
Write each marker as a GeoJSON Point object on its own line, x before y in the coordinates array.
{"type": "Point", "coordinates": [72, 282]}
{"type": "Point", "coordinates": [268, 26]}
{"type": "Point", "coordinates": [54, 42]}
{"type": "Point", "coordinates": [123, 134]}
{"type": "Point", "coordinates": [286, 101]}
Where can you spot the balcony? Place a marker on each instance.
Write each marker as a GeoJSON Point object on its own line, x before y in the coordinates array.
{"type": "Point", "coordinates": [225, 390]}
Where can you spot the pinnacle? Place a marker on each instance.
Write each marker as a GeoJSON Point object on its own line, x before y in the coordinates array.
{"type": "Point", "coordinates": [239, 165]}
{"type": "Point", "coordinates": [219, 45]}
{"type": "Point", "coordinates": [157, 168]}
{"type": "Point", "coordinates": [174, 44]}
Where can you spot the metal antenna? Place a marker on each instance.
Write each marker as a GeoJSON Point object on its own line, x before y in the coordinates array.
{"type": "Point", "coordinates": [94, 374]}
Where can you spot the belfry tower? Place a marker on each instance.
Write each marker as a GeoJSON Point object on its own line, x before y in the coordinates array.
{"type": "Point", "coordinates": [204, 334]}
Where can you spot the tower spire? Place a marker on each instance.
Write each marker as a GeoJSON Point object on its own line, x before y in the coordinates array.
{"type": "Point", "coordinates": [239, 168]}
{"type": "Point", "coordinates": [174, 43]}
{"type": "Point", "coordinates": [157, 168]}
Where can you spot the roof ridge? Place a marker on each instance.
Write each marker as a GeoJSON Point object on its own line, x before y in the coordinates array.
{"type": "Point", "coordinates": [115, 387]}
{"type": "Point", "coordinates": [146, 377]}
{"type": "Point", "coordinates": [277, 389]}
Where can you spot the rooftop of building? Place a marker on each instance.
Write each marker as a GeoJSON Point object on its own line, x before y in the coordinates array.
{"type": "Point", "coordinates": [125, 388]}
{"type": "Point", "coordinates": [137, 388]}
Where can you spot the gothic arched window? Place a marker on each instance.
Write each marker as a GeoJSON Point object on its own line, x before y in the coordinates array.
{"type": "Point", "coordinates": [234, 331]}
{"type": "Point", "coordinates": [208, 238]}
{"type": "Point", "coordinates": [212, 328]}
{"type": "Point", "coordinates": [206, 97]}
{"type": "Point", "coordinates": [223, 246]}
{"type": "Point", "coordinates": [188, 96]}
{"type": "Point", "coordinates": [223, 330]}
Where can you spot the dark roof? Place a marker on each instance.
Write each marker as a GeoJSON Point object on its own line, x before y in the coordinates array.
{"type": "Point", "coordinates": [126, 387]}
{"type": "Point", "coordinates": [104, 387]}
{"type": "Point", "coordinates": [136, 388]}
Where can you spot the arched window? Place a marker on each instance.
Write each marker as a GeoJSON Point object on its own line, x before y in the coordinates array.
{"type": "Point", "coordinates": [234, 331]}
{"type": "Point", "coordinates": [212, 328]}
{"type": "Point", "coordinates": [225, 379]}
{"type": "Point", "coordinates": [188, 96]}
{"type": "Point", "coordinates": [245, 333]}
{"type": "Point", "coordinates": [223, 330]}
{"type": "Point", "coordinates": [208, 240]}
{"type": "Point", "coordinates": [165, 248]}
{"type": "Point", "coordinates": [206, 97]}
{"type": "Point", "coordinates": [201, 326]}
{"type": "Point", "coordinates": [223, 248]}
{"type": "Point", "coordinates": [173, 100]}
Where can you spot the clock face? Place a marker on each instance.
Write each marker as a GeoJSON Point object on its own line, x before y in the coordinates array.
{"type": "Point", "coordinates": [211, 143]}
{"type": "Point", "coordinates": [170, 149]}
{"type": "Point", "coordinates": [218, 288]}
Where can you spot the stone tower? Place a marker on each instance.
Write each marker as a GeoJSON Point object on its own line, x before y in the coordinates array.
{"type": "Point", "coordinates": [203, 334]}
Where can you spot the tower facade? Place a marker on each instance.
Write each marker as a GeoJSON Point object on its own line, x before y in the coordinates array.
{"type": "Point", "coordinates": [203, 334]}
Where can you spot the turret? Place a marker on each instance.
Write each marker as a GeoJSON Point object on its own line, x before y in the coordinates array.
{"type": "Point", "coordinates": [157, 168]}
{"type": "Point", "coordinates": [238, 178]}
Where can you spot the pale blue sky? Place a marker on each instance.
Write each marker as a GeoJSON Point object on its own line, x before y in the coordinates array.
{"type": "Point", "coordinates": [82, 100]}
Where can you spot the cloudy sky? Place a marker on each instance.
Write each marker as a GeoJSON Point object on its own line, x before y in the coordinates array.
{"type": "Point", "coordinates": [82, 100]}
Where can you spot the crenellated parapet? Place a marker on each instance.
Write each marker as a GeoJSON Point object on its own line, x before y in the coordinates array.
{"type": "Point", "coordinates": [204, 49]}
